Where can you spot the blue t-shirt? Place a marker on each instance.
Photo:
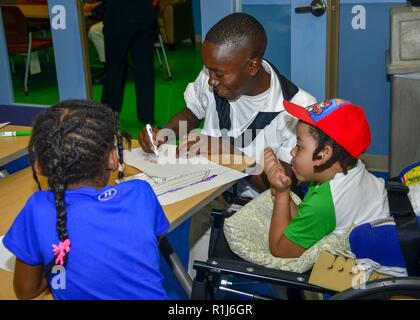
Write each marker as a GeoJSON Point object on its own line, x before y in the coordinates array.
{"type": "Point", "coordinates": [113, 232]}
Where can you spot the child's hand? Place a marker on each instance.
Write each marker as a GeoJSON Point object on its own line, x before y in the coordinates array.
{"type": "Point", "coordinates": [275, 172]}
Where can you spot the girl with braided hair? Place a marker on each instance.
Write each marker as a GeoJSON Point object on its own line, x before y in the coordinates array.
{"type": "Point", "coordinates": [83, 238]}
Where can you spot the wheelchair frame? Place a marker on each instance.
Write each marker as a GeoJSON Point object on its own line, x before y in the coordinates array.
{"type": "Point", "coordinates": [210, 280]}
{"type": "Point", "coordinates": [209, 276]}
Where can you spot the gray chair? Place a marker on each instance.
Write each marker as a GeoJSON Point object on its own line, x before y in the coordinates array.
{"type": "Point", "coordinates": [160, 45]}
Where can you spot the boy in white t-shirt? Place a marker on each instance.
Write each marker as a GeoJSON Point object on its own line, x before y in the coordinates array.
{"type": "Point", "coordinates": [331, 136]}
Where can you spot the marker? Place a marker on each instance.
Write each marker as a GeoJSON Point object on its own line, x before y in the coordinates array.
{"type": "Point", "coordinates": [150, 134]}
{"type": "Point", "coordinates": [15, 133]}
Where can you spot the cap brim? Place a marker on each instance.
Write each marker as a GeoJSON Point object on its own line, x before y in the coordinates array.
{"type": "Point", "coordinates": [298, 111]}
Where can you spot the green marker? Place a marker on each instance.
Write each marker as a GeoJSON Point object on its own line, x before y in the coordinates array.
{"type": "Point", "coordinates": [15, 133]}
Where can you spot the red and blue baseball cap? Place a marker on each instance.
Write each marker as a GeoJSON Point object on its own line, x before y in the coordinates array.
{"type": "Point", "coordinates": [341, 120]}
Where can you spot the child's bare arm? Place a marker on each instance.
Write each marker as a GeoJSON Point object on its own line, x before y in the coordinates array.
{"type": "Point", "coordinates": [283, 209]}
{"type": "Point", "coordinates": [29, 281]}
{"type": "Point", "coordinates": [279, 245]}
{"type": "Point", "coordinates": [293, 209]}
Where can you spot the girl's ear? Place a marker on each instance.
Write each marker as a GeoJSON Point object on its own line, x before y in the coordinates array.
{"type": "Point", "coordinates": [325, 154]}
{"type": "Point", "coordinates": [112, 160]}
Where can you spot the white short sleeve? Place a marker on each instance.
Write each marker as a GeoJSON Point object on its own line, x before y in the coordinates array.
{"type": "Point", "coordinates": [286, 138]}
{"type": "Point", "coordinates": [303, 98]}
{"type": "Point", "coordinates": [196, 95]}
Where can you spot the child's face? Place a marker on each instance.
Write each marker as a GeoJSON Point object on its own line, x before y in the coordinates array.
{"type": "Point", "coordinates": [302, 163]}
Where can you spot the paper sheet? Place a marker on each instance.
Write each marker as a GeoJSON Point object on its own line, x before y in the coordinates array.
{"type": "Point", "coordinates": [166, 164]}
{"type": "Point", "coordinates": [7, 259]}
{"type": "Point", "coordinates": [4, 124]}
{"type": "Point", "coordinates": [177, 188]}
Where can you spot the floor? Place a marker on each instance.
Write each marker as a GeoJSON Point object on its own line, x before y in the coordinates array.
{"type": "Point", "coordinates": [184, 61]}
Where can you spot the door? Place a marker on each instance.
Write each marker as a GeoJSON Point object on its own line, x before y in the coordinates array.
{"type": "Point", "coordinates": [296, 41]}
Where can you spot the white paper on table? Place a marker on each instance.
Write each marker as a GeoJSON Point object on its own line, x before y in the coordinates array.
{"type": "Point", "coordinates": [7, 259]}
{"type": "Point", "coordinates": [4, 124]}
{"type": "Point", "coordinates": [166, 164]}
{"type": "Point", "coordinates": [177, 188]}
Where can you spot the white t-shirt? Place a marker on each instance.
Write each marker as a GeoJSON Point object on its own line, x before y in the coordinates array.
{"type": "Point", "coordinates": [333, 206]}
{"type": "Point", "coordinates": [358, 197]}
{"type": "Point", "coordinates": [348, 199]}
{"type": "Point", "coordinates": [279, 134]}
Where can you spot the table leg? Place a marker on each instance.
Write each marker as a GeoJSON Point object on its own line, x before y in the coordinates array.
{"type": "Point", "coordinates": [176, 265]}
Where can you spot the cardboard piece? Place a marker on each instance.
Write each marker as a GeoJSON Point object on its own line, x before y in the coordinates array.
{"type": "Point", "coordinates": [339, 273]}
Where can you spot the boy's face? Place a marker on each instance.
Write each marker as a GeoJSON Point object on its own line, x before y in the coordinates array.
{"type": "Point", "coordinates": [302, 163]}
{"type": "Point", "coordinates": [229, 70]}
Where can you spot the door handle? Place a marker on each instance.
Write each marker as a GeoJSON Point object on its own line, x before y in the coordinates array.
{"type": "Point", "coordinates": [317, 8]}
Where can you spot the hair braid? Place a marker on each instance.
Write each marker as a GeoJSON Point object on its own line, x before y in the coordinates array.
{"type": "Point", "coordinates": [31, 161]}
{"type": "Point", "coordinates": [120, 147]}
{"type": "Point", "coordinates": [69, 144]}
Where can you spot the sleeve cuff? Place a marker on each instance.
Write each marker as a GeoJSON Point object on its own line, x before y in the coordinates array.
{"type": "Point", "coordinates": [284, 154]}
{"type": "Point", "coordinates": [18, 253]}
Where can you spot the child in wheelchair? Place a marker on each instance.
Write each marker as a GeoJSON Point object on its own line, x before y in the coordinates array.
{"type": "Point", "coordinates": [331, 136]}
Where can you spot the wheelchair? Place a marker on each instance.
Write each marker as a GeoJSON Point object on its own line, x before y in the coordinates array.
{"type": "Point", "coordinates": [227, 276]}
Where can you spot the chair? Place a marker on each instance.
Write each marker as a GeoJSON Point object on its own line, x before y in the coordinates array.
{"type": "Point", "coordinates": [162, 47]}
{"type": "Point", "coordinates": [221, 276]}
{"type": "Point", "coordinates": [393, 288]}
{"type": "Point", "coordinates": [212, 279]}
{"type": "Point", "coordinates": [34, 23]}
{"type": "Point", "coordinates": [19, 37]}
{"type": "Point", "coordinates": [175, 20]}
{"type": "Point", "coordinates": [31, 2]}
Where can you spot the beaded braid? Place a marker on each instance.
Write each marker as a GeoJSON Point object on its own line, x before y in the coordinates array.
{"type": "Point", "coordinates": [344, 159]}
{"type": "Point", "coordinates": [69, 143]}
{"type": "Point", "coordinates": [120, 148]}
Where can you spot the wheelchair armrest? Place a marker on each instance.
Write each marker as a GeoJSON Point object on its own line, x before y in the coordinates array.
{"type": "Point", "coordinates": [217, 227]}
{"type": "Point", "coordinates": [256, 273]}
{"type": "Point", "coordinates": [220, 215]}
{"type": "Point", "coordinates": [219, 218]}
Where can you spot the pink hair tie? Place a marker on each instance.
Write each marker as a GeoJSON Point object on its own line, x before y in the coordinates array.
{"type": "Point", "coordinates": [60, 251]}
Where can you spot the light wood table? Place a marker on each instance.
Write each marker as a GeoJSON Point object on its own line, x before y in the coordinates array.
{"type": "Point", "coordinates": [16, 189]}
{"type": "Point", "coordinates": [32, 11]}
{"type": "Point", "coordinates": [12, 148]}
